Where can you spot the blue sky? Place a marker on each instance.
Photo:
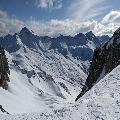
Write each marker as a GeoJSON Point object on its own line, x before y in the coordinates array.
{"type": "Point", "coordinates": [24, 9]}
{"type": "Point", "coordinates": [54, 17]}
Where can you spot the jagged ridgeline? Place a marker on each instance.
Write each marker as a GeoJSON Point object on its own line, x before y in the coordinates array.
{"type": "Point", "coordinates": [4, 70]}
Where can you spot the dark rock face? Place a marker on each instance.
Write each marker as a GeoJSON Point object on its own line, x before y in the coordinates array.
{"type": "Point", "coordinates": [4, 70]}
{"type": "Point", "coordinates": [2, 109]}
{"type": "Point", "coordinates": [105, 59]}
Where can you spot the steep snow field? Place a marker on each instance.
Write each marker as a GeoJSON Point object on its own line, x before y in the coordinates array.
{"type": "Point", "coordinates": [102, 102]}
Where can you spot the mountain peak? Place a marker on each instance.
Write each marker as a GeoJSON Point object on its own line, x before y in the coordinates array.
{"type": "Point", "coordinates": [90, 33]}
{"type": "Point", "coordinates": [25, 30]}
{"type": "Point", "coordinates": [8, 36]}
{"type": "Point", "coordinates": [79, 35]}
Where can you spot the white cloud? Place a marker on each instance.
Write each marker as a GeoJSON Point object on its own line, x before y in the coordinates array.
{"type": "Point", "coordinates": [111, 17]}
{"type": "Point", "coordinates": [71, 27]}
{"type": "Point", "coordinates": [55, 27]}
{"type": "Point", "coordinates": [86, 9]}
{"type": "Point", "coordinates": [9, 25]}
{"type": "Point", "coordinates": [53, 4]}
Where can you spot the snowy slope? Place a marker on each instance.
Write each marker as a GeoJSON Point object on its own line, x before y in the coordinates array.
{"type": "Point", "coordinates": [102, 102]}
{"type": "Point", "coordinates": [40, 81]}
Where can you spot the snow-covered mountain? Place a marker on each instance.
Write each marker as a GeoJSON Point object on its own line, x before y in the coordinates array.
{"type": "Point", "coordinates": [45, 73]}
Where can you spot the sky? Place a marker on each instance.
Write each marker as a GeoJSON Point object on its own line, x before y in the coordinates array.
{"type": "Point", "coordinates": [55, 17]}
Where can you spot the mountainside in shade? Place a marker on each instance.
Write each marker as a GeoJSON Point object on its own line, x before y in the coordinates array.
{"type": "Point", "coordinates": [102, 102]}
{"type": "Point", "coordinates": [105, 59]}
{"type": "Point", "coordinates": [4, 70]}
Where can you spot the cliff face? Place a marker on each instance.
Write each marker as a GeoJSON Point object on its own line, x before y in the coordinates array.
{"type": "Point", "coordinates": [4, 70]}
{"type": "Point", "coordinates": [105, 59]}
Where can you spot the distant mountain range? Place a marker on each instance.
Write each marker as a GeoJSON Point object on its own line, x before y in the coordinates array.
{"type": "Point", "coordinates": [80, 47]}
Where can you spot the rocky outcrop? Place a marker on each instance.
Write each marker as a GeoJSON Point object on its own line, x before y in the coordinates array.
{"type": "Point", "coordinates": [105, 59]}
{"type": "Point", "coordinates": [3, 110]}
{"type": "Point", "coordinates": [4, 70]}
